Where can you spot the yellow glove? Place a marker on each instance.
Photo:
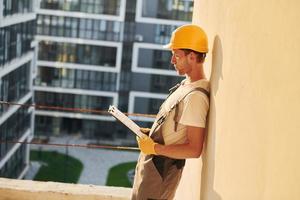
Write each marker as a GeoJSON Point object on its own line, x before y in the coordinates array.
{"type": "Point", "coordinates": [146, 145]}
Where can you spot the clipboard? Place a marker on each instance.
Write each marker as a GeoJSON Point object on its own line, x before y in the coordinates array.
{"type": "Point", "coordinates": [114, 111]}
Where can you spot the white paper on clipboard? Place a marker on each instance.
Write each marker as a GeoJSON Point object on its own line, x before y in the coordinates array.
{"type": "Point", "coordinates": [125, 120]}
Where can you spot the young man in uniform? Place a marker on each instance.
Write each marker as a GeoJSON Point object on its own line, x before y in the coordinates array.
{"type": "Point", "coordinates": [178, 130]}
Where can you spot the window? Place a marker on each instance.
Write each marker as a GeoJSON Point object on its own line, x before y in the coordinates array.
{"type": "Point", "coordinates": [109, 7]}
{"type": "Point", "coordinates": [78, 53]}
{"type": "Point", "coordinates": [73, 100]}
{"type": "Point", "coordinates": [180, 10]}
{"type": "Point", "coordinates": [15, 85]}
{"type": "Point", "coordinates": [2, 46]}
{"type": "Point", "coordinates": [13, 128]}
{"type": "Point", "coordinates": [15, 6]}
{"type": "Point", "coordinates": [96, 29]}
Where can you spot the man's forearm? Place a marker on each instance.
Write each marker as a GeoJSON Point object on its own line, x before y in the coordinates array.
{"type": "Point", "coordinates": [178, 151]}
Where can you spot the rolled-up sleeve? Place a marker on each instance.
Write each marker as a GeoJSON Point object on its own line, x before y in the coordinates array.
{"type": "Point", "coordinates": [195, 108]}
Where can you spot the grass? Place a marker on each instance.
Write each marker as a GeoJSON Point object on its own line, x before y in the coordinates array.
{"type": "Point", "coordinates": [117, 175]}
{"type": "Point", "coordinates": [56, 167]}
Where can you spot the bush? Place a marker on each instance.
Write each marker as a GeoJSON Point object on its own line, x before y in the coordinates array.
{"type": "Point", "coordinates": [117, 175]}
{"type": "Point", "coordinates": [56, 167]}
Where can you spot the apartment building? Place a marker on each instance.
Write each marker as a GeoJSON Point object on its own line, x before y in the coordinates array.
{"type": "Point", "coordinates": [17, 61]}
{"type": "Point", "coordinates": [94, 53]}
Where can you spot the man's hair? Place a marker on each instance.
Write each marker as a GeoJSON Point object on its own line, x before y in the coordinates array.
{"type": "Point", "coordinates": [200, 56]}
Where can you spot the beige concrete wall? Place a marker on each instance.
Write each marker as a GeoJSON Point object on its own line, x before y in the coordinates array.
{"type": "Point", "coordinates": [253, 145]}
{"type": "Point", "coordinates": [12, 189]}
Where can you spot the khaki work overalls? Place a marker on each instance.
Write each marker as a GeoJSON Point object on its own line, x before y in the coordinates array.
{"type": "Point", "coordinates": [157, 177]}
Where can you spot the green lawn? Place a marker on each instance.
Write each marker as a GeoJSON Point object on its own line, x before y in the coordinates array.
{"type": "Point", "coordinates": [56, 167]}
{"type": "Point", "coordinates": [117, 175]}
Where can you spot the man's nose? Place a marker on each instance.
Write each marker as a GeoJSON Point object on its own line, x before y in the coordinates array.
{"type": "Point", "coordinates": [173, 59]}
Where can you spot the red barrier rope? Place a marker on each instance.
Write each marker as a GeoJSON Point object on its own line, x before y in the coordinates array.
{"type": "Point", "coordinates": [83, 110]}
{"type": "Point", "coordinates": [93, 146]}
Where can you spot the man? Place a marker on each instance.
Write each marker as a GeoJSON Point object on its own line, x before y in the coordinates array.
{"type": "Point", "coordinates": [178, 131]}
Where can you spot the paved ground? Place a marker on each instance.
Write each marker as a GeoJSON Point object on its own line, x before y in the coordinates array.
{"type": "Point", "coordinates": [96, 162]}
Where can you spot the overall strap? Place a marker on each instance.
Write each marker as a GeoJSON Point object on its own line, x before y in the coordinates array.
{"type": "Point", "coordinates": [175, 105]}
{"type": "Point", "coordinates": [162, 163]}
{"type": "Point", "coordinates": [162, 117]}
{"type": "Point", "coordinates": [172, 89]}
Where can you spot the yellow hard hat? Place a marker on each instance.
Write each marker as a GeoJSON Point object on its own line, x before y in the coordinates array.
{"type": "Point", "coordinates": [189, 36]}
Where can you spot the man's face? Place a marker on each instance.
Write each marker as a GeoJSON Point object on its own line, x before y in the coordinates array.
{"type": "Point", "coordinates": [180, 61]}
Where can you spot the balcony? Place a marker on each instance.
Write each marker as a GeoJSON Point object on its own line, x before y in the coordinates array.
{"type": "Point", "coordinates": [12, 189]}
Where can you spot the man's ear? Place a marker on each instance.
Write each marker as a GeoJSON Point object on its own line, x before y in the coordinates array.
{"type": "Point", "coordinates": [192, 56]}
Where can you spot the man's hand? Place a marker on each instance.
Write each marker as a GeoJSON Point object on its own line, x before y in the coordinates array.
{"type": "Point", "coordinates": [146, 145]}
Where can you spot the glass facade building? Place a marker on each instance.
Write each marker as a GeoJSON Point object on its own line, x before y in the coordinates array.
{"type": "Point", "coordinates": [94, 53]}
{"type": "Point", "coordinates": [17, 61]}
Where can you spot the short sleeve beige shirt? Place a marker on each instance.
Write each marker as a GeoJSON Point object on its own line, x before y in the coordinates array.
{"type": "Point", "coordinates": [193, 109]}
